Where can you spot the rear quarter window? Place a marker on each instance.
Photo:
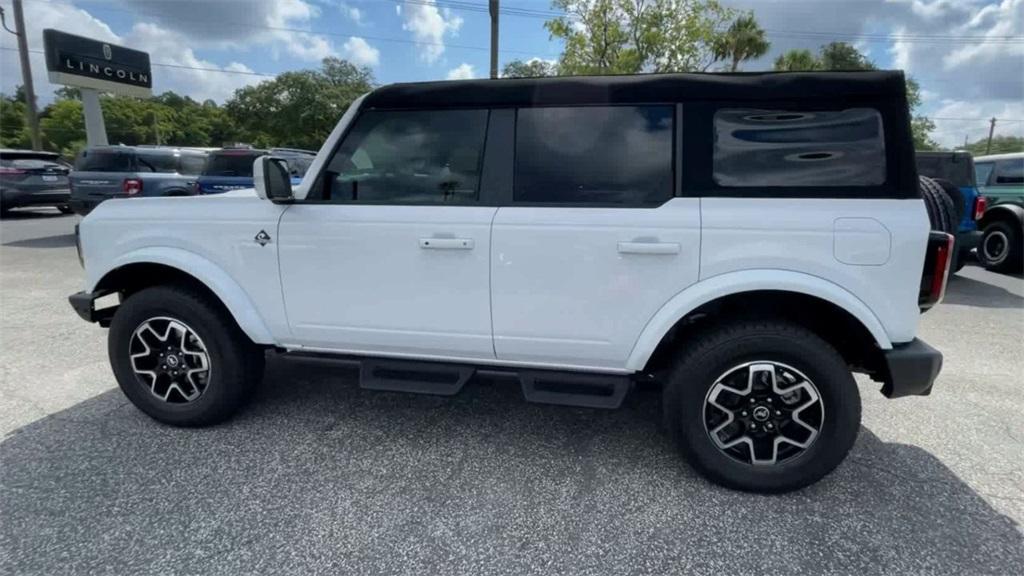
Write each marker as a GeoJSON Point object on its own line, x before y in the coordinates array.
{"type": "Point", "coordinates": [1009, 172]}
{"type": "Point", "coordinates": [229, 165]}
{"type": "Point", "coordinates": [794, 148]}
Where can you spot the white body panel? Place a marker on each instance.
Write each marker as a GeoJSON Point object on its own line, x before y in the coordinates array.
{"type": "Point", "coordinates": [398, 279]}
{"type": "Point", "coordinates": [209, 237]}
{"type": "Point", "coordinates": [577, 285]}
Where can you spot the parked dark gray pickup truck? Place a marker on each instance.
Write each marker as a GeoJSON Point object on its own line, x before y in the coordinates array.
{"type": "Point", "coordinates": [105, 172]}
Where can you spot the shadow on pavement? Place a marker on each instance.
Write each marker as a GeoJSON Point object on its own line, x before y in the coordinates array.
{"type": "Point", "coordinates": [59, 241]}
{"type": "Point", "coordinates": [318, 475]}
{"type": "Point", "coordinates": [970, 292]}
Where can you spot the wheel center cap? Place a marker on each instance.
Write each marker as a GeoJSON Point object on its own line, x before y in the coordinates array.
{"type": "Point", "coordinates": [172, 361]}
{"type": "Point", "coordinates": [761, 413]}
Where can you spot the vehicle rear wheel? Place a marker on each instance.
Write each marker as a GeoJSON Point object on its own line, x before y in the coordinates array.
{"type": "Point", "coordinates": [763, 406]}
{"type": "Point", "coordinates": [180, 357]}
{"type": "Point", "coordinates": [1000, 249]}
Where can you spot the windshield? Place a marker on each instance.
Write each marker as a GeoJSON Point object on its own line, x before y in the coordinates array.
{"type": "Point", "coordinates": [104, 161]}
{"type": "Point", "coordinates": [230, 165]}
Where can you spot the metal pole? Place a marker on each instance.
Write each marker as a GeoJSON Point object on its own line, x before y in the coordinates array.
{"type": "Point", "coordinates": [95, 129]}
{"type": "Point", "coordinates": [991, 129]}
{"type": "Point", "coordinates": [31, 115]}
{"type": "Point", "coordinates": [492, 6]}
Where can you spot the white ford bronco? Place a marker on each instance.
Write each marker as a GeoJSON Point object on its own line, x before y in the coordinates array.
{"type": "Point", "coordinates": [747, 241]}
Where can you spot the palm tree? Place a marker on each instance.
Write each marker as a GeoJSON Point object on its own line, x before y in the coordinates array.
{"type": "Point", "coordinates": [797, 60]}
{"type": "Point", "coordinates": [744, 40]}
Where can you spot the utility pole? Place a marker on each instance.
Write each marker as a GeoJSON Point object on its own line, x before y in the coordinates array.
{"type": "Point", "coordinates": [492, 6]}
{"type": "Point", "coordinates": [31, 114]}
{"type": "Point", "coordinates": [991, 129]}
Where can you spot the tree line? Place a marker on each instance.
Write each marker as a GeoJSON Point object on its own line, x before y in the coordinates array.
{"type": "Point", "coordinates": [295, 109]}
{"type": "Point", "coordinates": [299, 108]}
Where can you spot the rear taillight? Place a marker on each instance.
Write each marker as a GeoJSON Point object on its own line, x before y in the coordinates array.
{"type": "Point", "coordinates": [11, 171]}
{"type": "Point", "coordinates": [131, 186]}
{"type": "Point", "coordinates": [937, 263]}
{"type": "Point", "coordinates": [980, 204]}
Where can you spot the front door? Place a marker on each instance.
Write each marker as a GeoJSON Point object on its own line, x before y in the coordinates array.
{"type": "Point", "coordinates": [390, 253]}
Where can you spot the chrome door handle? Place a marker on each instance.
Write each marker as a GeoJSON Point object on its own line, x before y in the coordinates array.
{"type": "Point", "coordinates": [667, 248]}
{"type": "Point", "coordinates": [447, 243]}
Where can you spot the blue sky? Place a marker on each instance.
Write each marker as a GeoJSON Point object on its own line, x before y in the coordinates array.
{"type": "Point", "coordinates": [967, 54]}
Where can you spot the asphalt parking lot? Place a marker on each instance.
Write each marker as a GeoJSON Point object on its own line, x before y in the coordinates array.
{"type": "Point", "coordinates": [318, 475]}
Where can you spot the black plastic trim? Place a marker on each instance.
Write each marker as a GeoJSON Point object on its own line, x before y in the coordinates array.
{"type": "Point", "coordinates": [84, 305]}
{"type": "Point", "coordinates": [911, 369]}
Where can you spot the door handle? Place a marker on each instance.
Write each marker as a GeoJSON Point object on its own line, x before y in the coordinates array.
{"type": "Point", "coordinates": [447, 243]}
{"type": "Point", "coordinates": [667, 248]}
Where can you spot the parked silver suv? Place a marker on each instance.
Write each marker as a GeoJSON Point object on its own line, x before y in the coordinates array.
{"type": "Point", "coordinates": [105, 172]}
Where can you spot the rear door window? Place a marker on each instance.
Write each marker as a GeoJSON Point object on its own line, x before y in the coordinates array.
{"type": "Point", "coordinates": [191, 165]}
{"type": "Point", "coordinates": [104, 161]}
{"type": "Point", "coordinates": [230, 165]}
{"type": "Point", "coordinates": [606, 155]}
{"type": "Point", "coordinates": [791, 148]}
{"type": "Point", "coordinates": [162, 163]}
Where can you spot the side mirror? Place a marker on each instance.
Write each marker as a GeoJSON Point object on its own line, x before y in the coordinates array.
{"type": "Point", "coordinates": [272, 179]}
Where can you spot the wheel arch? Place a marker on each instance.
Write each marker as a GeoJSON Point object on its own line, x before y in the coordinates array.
{"type": "Point", "coordinates": [1002, 213]}
{"type": "Point", "coordinates": [156, 266]}
{"type": "Point", "coordinates": [794, 295]}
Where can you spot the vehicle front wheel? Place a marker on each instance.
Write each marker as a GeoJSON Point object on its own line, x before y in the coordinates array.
{"type": "Point", "coordinates": [1000, 249]}
{"type": "Point", "coordinates": [180, 358]}
{"type": "Point", "coordinates": [762, 406]}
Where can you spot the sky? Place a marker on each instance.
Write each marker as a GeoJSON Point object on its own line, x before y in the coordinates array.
{"type": "Point", "coordinates": [968, 55]}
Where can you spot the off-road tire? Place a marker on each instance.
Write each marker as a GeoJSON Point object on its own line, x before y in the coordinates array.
{"type": "Point", "coordinates": [695, 372]}
{"type": "Point", "coordinates": [235, 363]}
{"type": "Point", "coordinates": [941, 212]}
{"type": "Point", "coordinates": [1011, 259]}
{"type": "Point", "coordinates": [956, 196]}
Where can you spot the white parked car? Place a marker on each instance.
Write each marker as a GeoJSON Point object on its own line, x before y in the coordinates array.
{"type": "Point", "coordinates": [748, 241]}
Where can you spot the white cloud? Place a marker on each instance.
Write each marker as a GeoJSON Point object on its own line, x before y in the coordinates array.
{"type": "Point", "coordinates": [462, 72]}
{"type": "Point", "coordinates": [957, 119]}
{"type": "Point", "coordinates": [429, 26]}
{"type": "Point", "coordinates": [360, 52]}
{"type": "Point", "coordinates": [354, 14]}
{"type": "Point", "coordinates": [282, 24]}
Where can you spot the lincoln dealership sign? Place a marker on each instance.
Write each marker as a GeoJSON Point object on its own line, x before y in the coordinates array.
{"type": "Point", "coordinates": [76, 61]}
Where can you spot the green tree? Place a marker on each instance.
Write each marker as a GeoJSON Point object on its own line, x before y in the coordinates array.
{"type": "Point", "coordinates": [13, 128]}
{"type": "Point", "coordinates": [843, 56]}
{"type": "Point", "coordinates": [298, 109]}
{"type": "Point", "coordinates": [744, 40]}
{"type": "Point", "coordinates": [1000, 145]}
{"type": "Point", "coordinates": [535, 68]}
{"type": "Point", "coordinates": [796, 60]}
{"type": "Point", "coordinates": [634, 36]}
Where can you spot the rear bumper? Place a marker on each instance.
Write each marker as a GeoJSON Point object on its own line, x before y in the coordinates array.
{"type": "Point", "coordinates": [84, 304]}
{"type": "Point", "coordinates": [911, 369]}
{"type": "Point", "coordinates": [17, 198]}
{"type": "Point", "coordinates": [968, 240]}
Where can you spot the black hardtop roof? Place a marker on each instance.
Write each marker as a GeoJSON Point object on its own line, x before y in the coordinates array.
{"type": "Point", "coordinates": [570, 90]}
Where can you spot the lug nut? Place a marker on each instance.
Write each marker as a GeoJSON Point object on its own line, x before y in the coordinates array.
{"type": "Point", "coordinates": [769, 426]}
{"type": "Point", "coordinates": [744, 413]}
{"type": "Point", "coordinates": [769, 400]}
{"type": "Point", "coordinates": [778, 412]}
{"type": "Point", "coordinates": [753, 426]}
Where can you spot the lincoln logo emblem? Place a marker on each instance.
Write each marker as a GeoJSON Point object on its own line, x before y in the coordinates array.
{"type": "Point", "coordinates": [106, 52]}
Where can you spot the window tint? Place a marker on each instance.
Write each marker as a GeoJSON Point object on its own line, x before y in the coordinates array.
{"type": "Point", "coordinates": [104, 161]}
{"type": "Point", "coordinates": [156, 162]}
{"type": "Point", "coordinates": [230, 164]}
{"type": "Point", "coordinates": [982, 171]}
{"type": "Point", "coordinates": [409, 157]}
{"type": "Point", "coordinates": [192, 165]}
{"type": "Point", "coordinates": [953, 167]}
{"type": "Point", "coordinates": [799, 148]}
{"type": "Point", "coordinates": [599, 154]}
{"type": "Point", "coordinates": [1010, 171]}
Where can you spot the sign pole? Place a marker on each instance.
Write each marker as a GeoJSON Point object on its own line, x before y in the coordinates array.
{"type": "Point", "coordinates": [26, 77]}
{"type": "Point", "coordinates": [95, 129]}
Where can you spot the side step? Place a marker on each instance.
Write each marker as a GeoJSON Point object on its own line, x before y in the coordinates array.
{"type": "Point", "coordinates": [415, 377]}
{"type": "Point", "coordinates": [574, 388]}
{"type": "Point", "coordinates": [582, 389]}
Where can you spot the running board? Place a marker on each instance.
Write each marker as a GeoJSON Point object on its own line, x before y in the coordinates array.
{"type": "Point", "coordinates": [582, 389]}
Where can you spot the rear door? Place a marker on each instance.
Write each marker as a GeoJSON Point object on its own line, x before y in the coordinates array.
{"type": "Point", "coordinates": [389, 252]}
{"type": "Point", "coordinates": [594, 240]}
